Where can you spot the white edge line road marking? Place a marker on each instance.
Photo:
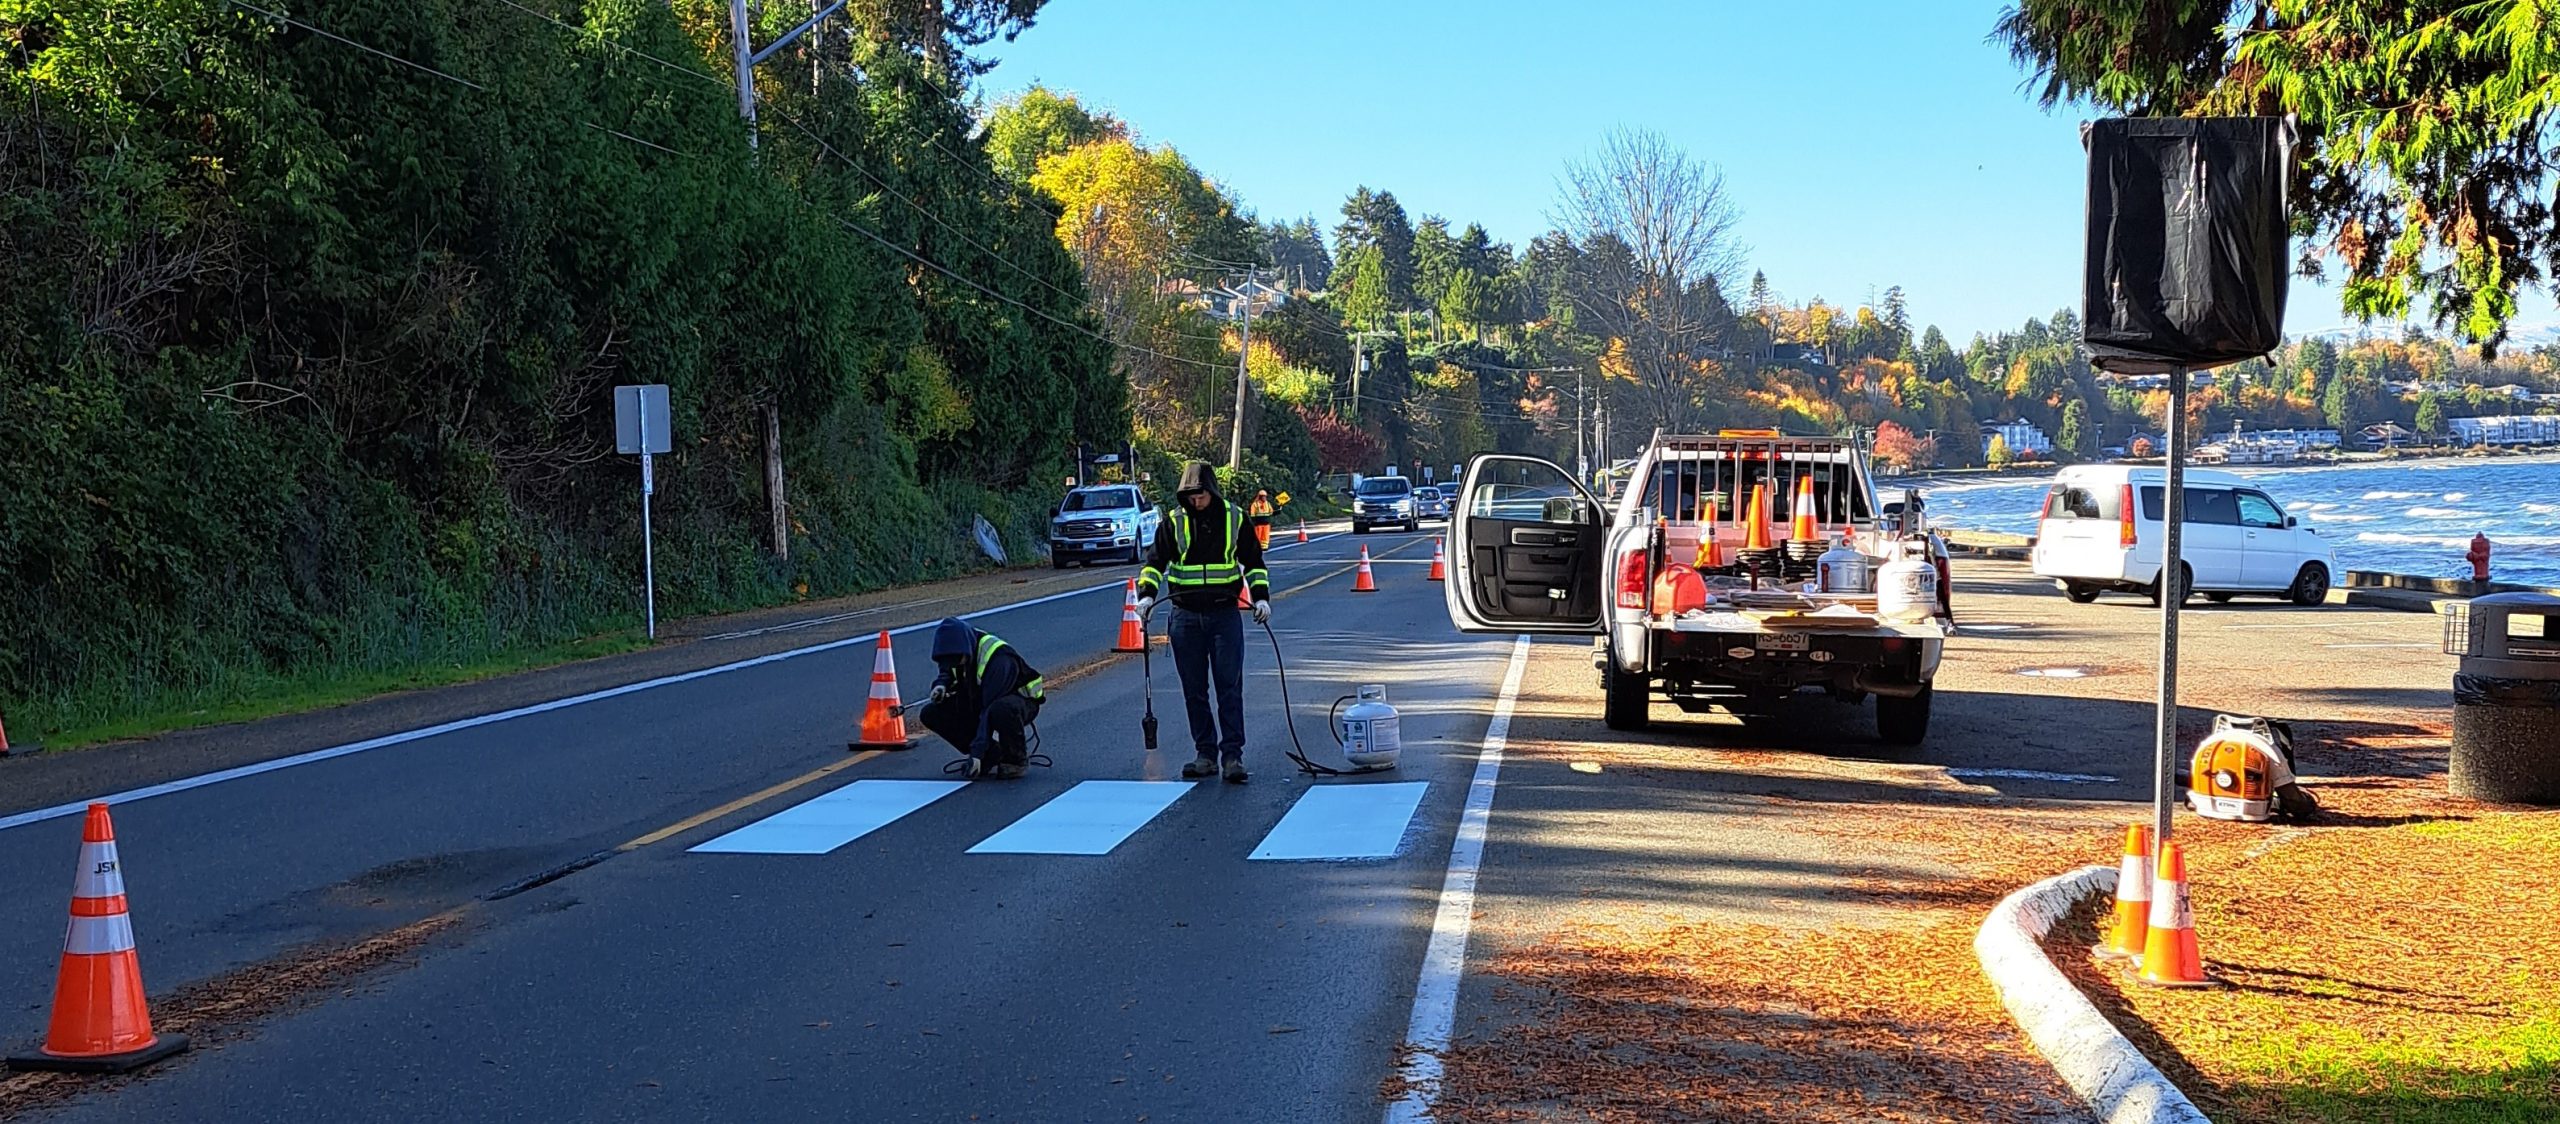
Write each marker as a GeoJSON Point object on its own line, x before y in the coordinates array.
{"type": "Point", "coordinates": [1444, 960]}
{"type": "Point", "coordinates": [202, 780]}
{"type": "Point", "coordinates": [2412, 644]}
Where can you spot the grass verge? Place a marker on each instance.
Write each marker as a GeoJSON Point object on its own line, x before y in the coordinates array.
{"type": "Point", "coordinates": [318, 690]}
{"type": "Point", "coordinates": [2390, 964]}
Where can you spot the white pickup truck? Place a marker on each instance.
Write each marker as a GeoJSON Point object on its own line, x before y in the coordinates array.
{"type": "Point", "coordinates": [1531, 551]}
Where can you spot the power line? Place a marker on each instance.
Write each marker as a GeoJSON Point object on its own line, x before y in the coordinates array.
{"type": "Point", "coordinates": [868, 174]}
{"type": "Point", "coordinates": [413, 64]}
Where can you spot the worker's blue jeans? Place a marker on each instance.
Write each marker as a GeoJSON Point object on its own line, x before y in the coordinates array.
{"type": "Point", "coordinates": [1210, 646]}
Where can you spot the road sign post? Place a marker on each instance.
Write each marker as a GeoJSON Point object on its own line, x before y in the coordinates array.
{"type": "Point", "coordinates": [641, 425]}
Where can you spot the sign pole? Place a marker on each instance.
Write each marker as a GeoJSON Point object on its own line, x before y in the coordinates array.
{"type": "Point", "coordinates": [2173, 516]}
{"type": "Point", "coordinates": [648, 544]}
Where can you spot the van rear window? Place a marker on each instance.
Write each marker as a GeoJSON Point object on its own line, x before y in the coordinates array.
{"type": "Point", "coordinates": [2068, 501]}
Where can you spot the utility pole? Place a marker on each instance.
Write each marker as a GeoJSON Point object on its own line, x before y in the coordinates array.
{"type": "Point", "coordinates": [1581, 459]}
{"type": "Point", "coordinates": [1244, 356]}
{"type": "Point", "coordinates": [746, 56]}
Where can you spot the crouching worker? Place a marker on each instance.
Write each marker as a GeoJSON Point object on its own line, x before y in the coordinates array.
{"type": "Point", "coordinates": [983, 699]}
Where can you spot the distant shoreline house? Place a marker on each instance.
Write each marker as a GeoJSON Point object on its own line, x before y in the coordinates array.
{"type": "Point", "coordinates": [2524, 429]}
{"type": "Point", "coordinates": [2022, 437]}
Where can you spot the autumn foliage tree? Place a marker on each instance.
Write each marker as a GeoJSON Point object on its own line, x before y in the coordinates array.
{"type": "Point", "coordinates": [1344, 447]}
{"type": "Point", "coordinates": [1897, 445]}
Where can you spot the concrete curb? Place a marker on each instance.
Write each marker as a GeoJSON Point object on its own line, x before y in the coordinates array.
{"type": "Point", "coordinates": [2121, 1086]}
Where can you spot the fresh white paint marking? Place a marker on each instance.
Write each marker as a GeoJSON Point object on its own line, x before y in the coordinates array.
{"type": "Point", "coordinates": [1444, 960]}
{"type": "Point", "coordinates": [1346, 821]}
{"type": "Point", "coordinates": [2413, 644]}
{"type": "Point", "coordinates": [1089, 819]}
{"type": "Point", "coordinates": [824, 823]}
{"type": "Point", "coordinates": [2030, 775]}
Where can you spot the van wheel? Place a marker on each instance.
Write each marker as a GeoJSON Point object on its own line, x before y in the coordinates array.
{"type": "Point", "coordinates": [2186, 585]}
{"type": "Point", "coordinates": [1904, 721]}
{"type": "Point", "coordinates": [2078, 593]}
{"type": "Point", "coordinates": [2311, 586]}
{"type": "Point", "coordinates": [1626, 701]}
{"type": "Point", "coordinates": [2218, 598]}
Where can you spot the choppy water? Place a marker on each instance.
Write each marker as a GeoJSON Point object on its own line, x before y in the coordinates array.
{"type": "Point", "coordinates": [2412, 517]}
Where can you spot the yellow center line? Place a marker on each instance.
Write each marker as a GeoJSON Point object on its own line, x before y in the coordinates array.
{"type": "Point", "coordinates": [749, 800]}
{"type": "Point", "coordinates": [1329, 575]}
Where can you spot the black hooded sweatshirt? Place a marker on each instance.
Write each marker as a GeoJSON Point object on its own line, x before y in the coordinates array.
{"type": "Point", "coordinates": [1208, 530]}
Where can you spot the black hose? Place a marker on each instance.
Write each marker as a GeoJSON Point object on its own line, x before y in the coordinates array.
{"type": "Point", "coordinates": [1289, 711]}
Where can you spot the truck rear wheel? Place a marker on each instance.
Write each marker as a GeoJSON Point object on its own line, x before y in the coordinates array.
{"type": "Point", "coordinates": [1901, 721]}
{"type": "Point", "coordinates": [1626, 701]}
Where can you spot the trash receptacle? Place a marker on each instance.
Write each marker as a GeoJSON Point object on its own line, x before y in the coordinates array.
{"type": "Point", "coordinates": [2506, 698]}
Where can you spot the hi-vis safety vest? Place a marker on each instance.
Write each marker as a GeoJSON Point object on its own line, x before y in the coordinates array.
{"type": "Point", "coordinates": [988, 646]}
{"type": "Point", "coordinates": [1183, 575]}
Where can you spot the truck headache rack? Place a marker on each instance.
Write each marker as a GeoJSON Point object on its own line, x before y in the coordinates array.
{"type": "Point", "coordinates": [1725, 466]}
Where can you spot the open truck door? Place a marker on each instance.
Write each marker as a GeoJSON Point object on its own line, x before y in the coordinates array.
{"type": "Point", "coordinates": [1525, 548]}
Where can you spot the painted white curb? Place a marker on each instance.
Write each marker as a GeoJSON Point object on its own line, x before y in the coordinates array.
{"type": "Point", "coordinates": [2121, 1085]}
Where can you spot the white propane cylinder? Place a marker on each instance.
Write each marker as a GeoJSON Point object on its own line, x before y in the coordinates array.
{"type": "Point", "coordinates": [1908, 585]}
{"type": "Point", "coordinates": [1372, 735]}
{"type": "Point", "coordinates": [1841, 569]}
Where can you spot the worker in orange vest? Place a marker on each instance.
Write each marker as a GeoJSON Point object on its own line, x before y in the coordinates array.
{"type": "Point", "coordinates": [1260, 513]}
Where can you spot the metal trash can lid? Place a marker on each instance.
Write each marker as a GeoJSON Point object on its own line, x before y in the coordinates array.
{"type": "Point", "coordinates": [2507, 635]}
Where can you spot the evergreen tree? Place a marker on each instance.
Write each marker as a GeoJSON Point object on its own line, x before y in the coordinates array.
{"type": "Point", "coordinates": [2076, 440]}
{"type": "Point", "coordinates": [2430, 413]}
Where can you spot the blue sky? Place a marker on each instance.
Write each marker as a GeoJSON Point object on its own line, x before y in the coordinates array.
{"type": "Point", "coordinates": [1868, 144]}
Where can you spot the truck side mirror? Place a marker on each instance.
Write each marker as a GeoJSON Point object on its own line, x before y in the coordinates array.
{"type": "Point", "coordinates": [2290, 521]}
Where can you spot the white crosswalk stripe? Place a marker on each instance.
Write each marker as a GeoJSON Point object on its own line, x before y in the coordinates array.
{"type": "Point", "coordinates": [1333, 822]}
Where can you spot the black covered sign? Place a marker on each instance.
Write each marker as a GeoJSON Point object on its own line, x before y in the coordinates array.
{"type": "Point", "coordinates": [2188, 244]}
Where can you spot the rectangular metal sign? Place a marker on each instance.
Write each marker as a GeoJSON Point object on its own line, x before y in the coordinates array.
{"type": "Point", "coordinates": [640, 419]}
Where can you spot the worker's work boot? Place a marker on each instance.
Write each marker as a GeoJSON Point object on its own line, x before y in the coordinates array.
{"type": "Point", "coordinates": [1009, 771]}
{"type": "Point", "coordinates": [1201, 766]}
{"type": "Point", "coordinates": [1234, 771]}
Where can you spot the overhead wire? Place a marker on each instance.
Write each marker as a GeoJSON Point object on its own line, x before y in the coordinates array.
{"type": "Point", "coordinates": [884, 185]}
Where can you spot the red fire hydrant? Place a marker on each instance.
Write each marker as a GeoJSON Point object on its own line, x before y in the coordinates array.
{"type": "Point", "coordinates": [2478, 556]}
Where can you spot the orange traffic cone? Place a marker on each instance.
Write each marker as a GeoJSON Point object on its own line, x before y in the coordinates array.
{"type": "Point", "coordinates": [1710, 555]}
{"type": "Point", "coordinates": [1804, 530]}
{"type": "Point", "coordinates": [2125, 939]}
{"type": "Point", "coordinates": [1364, 583]}
{"type": "Point", "coordinates": [884, 722]}
{"type": "Point", "coordinates": [2169, 955]}
{"type": "Point", "coordinates": [1302, 530]}
{"type": "Point", "coordinates": [1439, 563]}
{"type": "Point", "coordinates": [1133, 632]}
{"type": "Point", "coordinates": [101, 1023]}
{"type": "Point", "coordinates": [1755, 521]}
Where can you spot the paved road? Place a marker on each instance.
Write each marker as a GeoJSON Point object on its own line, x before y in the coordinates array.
{"type": "Point", "coordinates": [958, 960]}
{"type": "Point", "coordinates": [1173, 976]}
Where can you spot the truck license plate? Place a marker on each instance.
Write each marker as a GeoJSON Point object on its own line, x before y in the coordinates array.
{"type": "Point", "coordinates": [1784, 641]}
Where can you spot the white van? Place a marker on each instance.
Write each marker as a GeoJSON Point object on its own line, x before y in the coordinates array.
{"type": "Point", "coordinates": [2095, 536]}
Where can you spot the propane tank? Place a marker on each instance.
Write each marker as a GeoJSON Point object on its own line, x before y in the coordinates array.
{"type": "Point", "coordinates": [1907, 586]}
{"type": "Point", "coordinates": [1841, 569]}
{"type": "Point", "coordinates": [1370, 731]}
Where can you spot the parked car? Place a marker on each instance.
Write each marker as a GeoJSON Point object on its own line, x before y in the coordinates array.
{"type": "Point", "coordinates": [1429, 502]}
{"type": "Point", "coordinates": [1102, 523]}
{"type": "Point", "coordinates": [1378, 500]}
{"type": "Point", "coordinates": [2102, 530]}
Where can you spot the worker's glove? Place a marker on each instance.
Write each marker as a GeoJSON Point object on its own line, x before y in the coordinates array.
{"type": "Point", "coordinates": [1262, 612]}
{"type": "Point", "coordinates": [1146, 608]}
{"type": "Point", "coordinates": [940, 692]}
